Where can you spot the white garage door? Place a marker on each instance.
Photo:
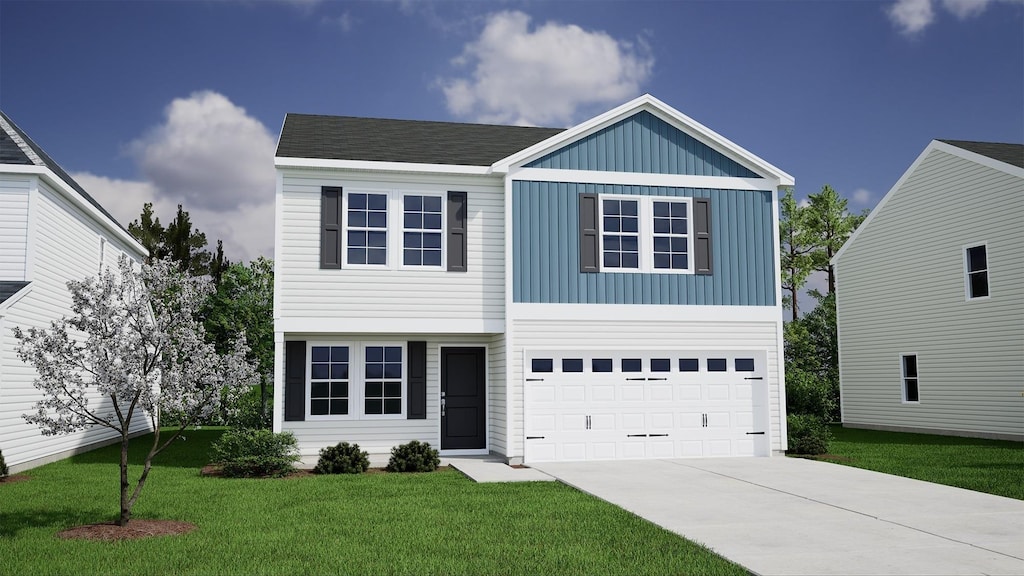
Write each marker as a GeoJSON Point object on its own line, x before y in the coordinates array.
{"type": "Point", "coordinates": [595, 405]}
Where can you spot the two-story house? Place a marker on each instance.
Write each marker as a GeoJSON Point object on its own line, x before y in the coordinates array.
{"type": "Point", "coordinates": [606, 291]}
{"type": "Point", "coordinates": [930, 298]}
{"type": "Point", "coordinates": [51, 231]}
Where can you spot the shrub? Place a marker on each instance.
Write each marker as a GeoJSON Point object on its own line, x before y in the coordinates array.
{"type": "Point", "coordinates": [247, 453]}
{"type": "Point", "coordinates": [415, 456]}
{"type": "Point", "coordinates": [809, 393]}
{"type": "Point", "coordinates": [3, 466]}
{"type": "Point", "coordinates": [344, 458]}
{"type": "Point", "coordinates": [247, 411]}
{"type": "Point", "coordinates": [808, 434]}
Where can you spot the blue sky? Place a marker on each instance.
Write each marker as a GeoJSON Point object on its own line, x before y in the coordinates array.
{"type": "Point", "coordinates": [173, 101]}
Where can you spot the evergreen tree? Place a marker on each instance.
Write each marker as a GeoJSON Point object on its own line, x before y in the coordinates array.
{"type": "Point", "coordinates": [797, 244]}
{"type": "Point", "coordinates": [831, 224]}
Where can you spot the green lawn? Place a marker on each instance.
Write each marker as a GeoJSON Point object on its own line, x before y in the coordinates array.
{"type": "Point", "coordinates": [439, 523]}
{"type": "Point", "coordinates": [992, 466]}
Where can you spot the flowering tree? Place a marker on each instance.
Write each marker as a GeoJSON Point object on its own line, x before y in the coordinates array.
{"type": "Point", "coordinates": [134, 348]}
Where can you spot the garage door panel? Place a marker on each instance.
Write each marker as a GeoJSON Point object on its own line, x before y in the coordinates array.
{"type": "Point", "coordinates": [680, 405]}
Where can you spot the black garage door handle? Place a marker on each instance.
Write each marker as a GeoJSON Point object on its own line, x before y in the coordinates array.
{"type": "Point", "coordinates": [755, 433]}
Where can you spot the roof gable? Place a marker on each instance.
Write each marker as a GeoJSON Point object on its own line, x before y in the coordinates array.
{"type": "Point", "coordinates": [406, 141]}
{"type": "Point", "coordinates": [11, 134]}
{"type": "Point", "coordinates": [659, 110]}
{"type": "Point", "coordinates": [9, 288]}
{"type": "Point", "coordinates": [643, 143]}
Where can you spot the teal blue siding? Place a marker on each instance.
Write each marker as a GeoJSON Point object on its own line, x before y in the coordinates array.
{"type": "Point", "coordinates": [642, 143]}
{"type": "Point", "coordinates": [545, 250]}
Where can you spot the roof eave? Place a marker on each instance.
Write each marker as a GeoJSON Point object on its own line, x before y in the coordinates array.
{"type": "Point", "coordinates": [379, 166]}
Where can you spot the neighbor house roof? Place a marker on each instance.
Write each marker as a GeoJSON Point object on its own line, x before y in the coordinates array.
{"type": "Point", "coordinates": [412, 141]}
{"type": "Point", "coordinates": [8, 289]}
{"type": "Point", "coordinates": [1012, 154]}
{"type": "Point", "coordinates": [17, 148]}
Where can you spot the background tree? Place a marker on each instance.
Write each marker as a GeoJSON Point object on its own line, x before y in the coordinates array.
{"type": "Point", "coordinates": [796, 249]}
{"type": "Point", "coordinates": [179, 241]}
{"type": "Point", "coordinates": [134, 348]}
{"type": "Point", "coordinates": [244, 304]}
{"type": "Point", "coordinates": [828, 220]}
{"type": "Point", "coordinates": [149, 232]}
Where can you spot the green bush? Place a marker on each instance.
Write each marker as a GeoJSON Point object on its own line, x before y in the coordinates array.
{"type": "Point", "coordinates": [808, 393]}
{"type": "Point", "coordinates": [808, 434]}
{"type": "Point", "coordinates": [248, 453]}
{"type": "Point", "coordinates": [247, 413]}
{"type": "Point", "coordinates": [415, 456]}
{"type": "Point", "coordinates": [344, 458]}
{"type": "Point", "coordinates": [4, 471]}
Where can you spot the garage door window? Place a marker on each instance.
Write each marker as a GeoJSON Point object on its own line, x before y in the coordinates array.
{"type": "Point", "coordinates": [543, 365]}
{"type": "Point", "coordinates": [661, 365]}
{"type": "Point", "coordinates": [717, 365]}
{"type": "Point", "coordinates": [632, 365]}
{"type": "Point", "coordinates": [744, 364]}
{"type": "Point", "coordinates": [572, 365]}
{"type": "Point", "coordinates": [601, 365]}
{"type": "Point", "coordinates": [689, 365]}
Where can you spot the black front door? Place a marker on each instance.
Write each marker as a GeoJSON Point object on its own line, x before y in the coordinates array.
{"type": "Point", "coordinates": [463, 378]}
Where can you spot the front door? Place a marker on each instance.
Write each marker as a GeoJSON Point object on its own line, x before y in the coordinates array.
{"type": "Point", "coordinates": [463, 416]}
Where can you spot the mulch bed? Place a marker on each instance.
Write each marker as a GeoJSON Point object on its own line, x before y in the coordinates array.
{"type": "Point", "coordinates": [212, 470]}
{"type": "Point", "coordinates": [14, 478]}
{"type": "Point", "coordinates": [110, 531]}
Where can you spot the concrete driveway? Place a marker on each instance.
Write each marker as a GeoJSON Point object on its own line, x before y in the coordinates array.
{"type": "Point", "coordinates": [793, 516]}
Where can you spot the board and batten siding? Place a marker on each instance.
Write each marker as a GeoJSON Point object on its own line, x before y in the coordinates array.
{"type": "Point", "coordinates": [641, 336]}
{"type": "Point", "coordinates": [643, 143]}
{"type": "Point", "coordinates": [901, 290]}
{"type": "Point", "coordinates": [14, 190]}
{"type": "Point", "coordinates": [65, 247]}
{"type": "Point", "coordinates": [305, 291]}
{"type": "Point", "coordinates": [378, 436]}
{"type": "Point", "coordinates": [546, 257]}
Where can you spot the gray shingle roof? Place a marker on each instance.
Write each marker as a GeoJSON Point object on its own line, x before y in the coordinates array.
{"type": "Point", "coordinates": [1012, 154]}
{"type": "Point", "coordinates": [413, 141]}
{"type": "Point", "coordinates": [8, 289]}
{"type": "Point", "coordinates": [8, 146]}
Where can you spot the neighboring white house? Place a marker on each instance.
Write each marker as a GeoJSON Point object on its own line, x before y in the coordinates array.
{"type": "Point", "coordinates": [930, 298]}
{"type": "Point", "coordinates": [607, 291]}
{"type": "Point", "coordinates": [51, 231]}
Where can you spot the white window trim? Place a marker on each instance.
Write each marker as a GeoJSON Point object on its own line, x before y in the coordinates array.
{"type": "Point", "coordinates": [103, 250]}
{"type": "Point", "coordinates": [967, 272]}
{"type": "Point", "coordinates": [356, 380]}
{"type": "Point", "coordinates": [444, 230]}
{"type": "Point", "coordinates": [389, 235]}
{"type": "Point", "coordinates": [903, 378]}
{"type": "Point", "coordinates": [645, 232]}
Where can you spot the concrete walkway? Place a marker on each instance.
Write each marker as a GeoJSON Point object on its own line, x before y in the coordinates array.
{"type": "Point", "coordinates": [792, 516]}
{"type": "Point", "coordinates": [493, 469]}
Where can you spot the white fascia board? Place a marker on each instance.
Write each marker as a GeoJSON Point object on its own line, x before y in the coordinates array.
{"type": "Point", "coordinates": [641, 179]}
{"type": "Point", "coordinates": [75, 198]}
{"type": "Point", "coordinates": [373, 166]}
{"type": "Point", "coordinates": [645, 313]}
{"type": "Point", "coordinates": [371, 325]}
{"type": "Point", "coordinates": [7, 304]}
{"type": "Point", "coordinates": [662, 111]}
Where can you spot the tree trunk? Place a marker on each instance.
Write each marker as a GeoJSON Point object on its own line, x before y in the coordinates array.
{"type": "Point", "coordinates": [793, 293]}
{"type": "Point", "coordinates": [126, 507]}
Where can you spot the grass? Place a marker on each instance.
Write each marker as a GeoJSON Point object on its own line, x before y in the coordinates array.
{"type": "Point", "coordinates": [992, 466]}
{"type": "Point", "coordinates": [438, 523]}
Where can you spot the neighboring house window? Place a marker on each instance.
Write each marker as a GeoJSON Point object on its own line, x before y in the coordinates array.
{"type": "Point", "coordinates": [976, 259]}
{"type": "Point", "coordinates": [422, 230]}
{"type": "Point", "coordinates": [909, 371]}
{"type": "Point", "coordinates": [367, 236]}
{"type": "Point", "coordinates": [103, 249]}
{"type": "Point", "coordinates": [356, 380]}
{"type": "Point", "coordinates": [391, 229]}
{"type": "Point", "coordinates": [643, 234]}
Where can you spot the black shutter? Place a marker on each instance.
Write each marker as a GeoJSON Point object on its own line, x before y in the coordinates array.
{"type": "Point", "coordinates": [330, 227]}
{"type": "Point", "coordinates": [589, 245]}
{"type": "Point", "coordinates": [417, 408]}
{"type": "Point", "coordinates": [457, 217]}
{"type": "Point", "coordinates": [702, 235]}
{"type": "Point", "coordinates": [294, 380]}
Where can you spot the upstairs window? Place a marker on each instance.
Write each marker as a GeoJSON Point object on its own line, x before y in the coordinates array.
{"type": "Point", "coordinates": [422, 227]}
{"type": "Point", "coordinates": [976, 261]}
{"type": "Point", "coordinates": [367, 219]}
{"type": "Point", "coordinates": [645, 234]}
{"type": "Point", "coordinates": [671, 233]}
{"type": "Point", "coordinates": [620, 236]}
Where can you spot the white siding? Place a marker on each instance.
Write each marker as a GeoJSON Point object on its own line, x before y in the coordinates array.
{"type": "Point", "coordinates": [66, 247]}
{"type": "Point", "coordinates": [304, 291]}
{"type": "Point", "coordinates": [901, 290]}
{"type": "Point", "coordinates": [379, 436]}
{"type": "Point", "coordinates": [641, 335]}
{"type": "Point", "coordinates": [13, 225]}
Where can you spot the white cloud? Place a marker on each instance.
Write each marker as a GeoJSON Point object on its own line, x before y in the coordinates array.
{"type": "Point", "coordinates": [803, 203]}
{"type": "Point", "coordinates": [862, 196]}
{"type": "Point", "coordinates": [212, 158]}
{"type": "Point", "coordinates": [209, 153]}
{"type": "Point", "coordinates": [912, 16]}
{"type": "Point", "coordinates": [542, 76]}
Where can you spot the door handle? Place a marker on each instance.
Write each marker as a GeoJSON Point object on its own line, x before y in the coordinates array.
{"type": "Point", "coordinates": [442, 403]}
